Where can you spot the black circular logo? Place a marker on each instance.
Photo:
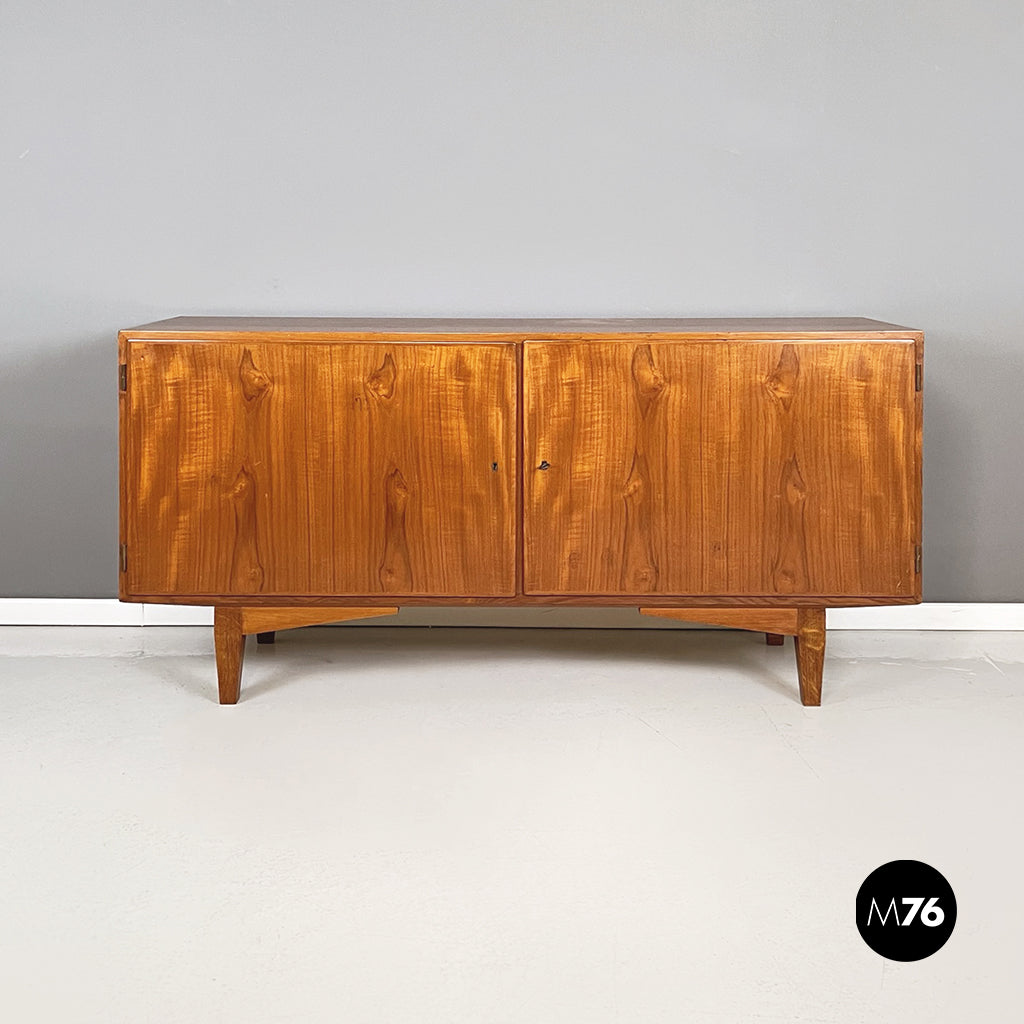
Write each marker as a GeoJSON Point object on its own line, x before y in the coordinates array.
{"type": "Point", "coordinates": [905, 910]}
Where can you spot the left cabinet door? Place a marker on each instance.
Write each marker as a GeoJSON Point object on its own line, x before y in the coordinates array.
{"type": "Point", "coordinates": [334, 468]}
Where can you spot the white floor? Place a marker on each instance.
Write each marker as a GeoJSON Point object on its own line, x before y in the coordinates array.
{"type": "Point", "coordinates": [496, 826]}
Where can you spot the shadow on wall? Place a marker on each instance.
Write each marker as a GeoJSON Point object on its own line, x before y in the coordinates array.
{"type": "Point", "coordinates": [972, 536]}
{"type": "Point", "coordinates": [58, 462]}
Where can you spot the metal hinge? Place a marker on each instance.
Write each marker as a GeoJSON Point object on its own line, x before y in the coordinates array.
{"type": "Point", "coordinates": [122, 376]}
{"type": "Point", "coordinates": [917, 560]}
{"type": "Point", "coordinates": [918, 376]}
{"type": "Point", "coordinates": [124, 558]}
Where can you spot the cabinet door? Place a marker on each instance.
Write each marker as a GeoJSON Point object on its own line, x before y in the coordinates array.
{"type": "Point", "coordinates": [295, 468]}
{"type": "Point", "coordinates": [720, 468]}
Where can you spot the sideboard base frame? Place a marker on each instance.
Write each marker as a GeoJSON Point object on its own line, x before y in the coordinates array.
{"type": "Point", "coordinates": [232, 624]}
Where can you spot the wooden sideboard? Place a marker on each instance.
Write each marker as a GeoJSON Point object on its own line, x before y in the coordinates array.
{"type": "Point", "coordinates": [740, 472]}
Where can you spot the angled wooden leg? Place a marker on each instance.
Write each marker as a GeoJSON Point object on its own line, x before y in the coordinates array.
{"type": "Point", "coordinates": [229, 641]}
{"type": "Point", "coordinates": [232, 624]}
{"type": "Point", "coordinates": [774, 639]}
{"type": "Point", "coordinates": [810, 654]}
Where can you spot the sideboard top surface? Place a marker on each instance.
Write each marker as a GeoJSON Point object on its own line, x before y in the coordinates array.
{"type": "Point", "coordinates": [202, 328]}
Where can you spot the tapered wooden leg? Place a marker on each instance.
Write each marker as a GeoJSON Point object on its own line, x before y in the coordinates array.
{"type": "Point", "coordinates": [810, 654]}
{"type": "Point", "coordinates": [229, 642]}
{"type": "Point", "coordinates": [774, 639]}
{"type": "Point", "coordinates": [266, 638]}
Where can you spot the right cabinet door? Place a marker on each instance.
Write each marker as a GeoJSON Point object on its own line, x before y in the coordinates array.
{"type": "Point", "coordinates": [721, 468]}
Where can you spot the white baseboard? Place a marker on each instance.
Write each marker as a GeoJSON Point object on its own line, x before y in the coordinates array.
{"type": "Point", "coordinates": [45, 611]}
{"type": "Point", "coordinates": [68, 611]}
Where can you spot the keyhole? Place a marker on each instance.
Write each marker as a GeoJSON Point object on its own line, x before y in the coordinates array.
{"type": "Point", "coordinates": [494, 467]}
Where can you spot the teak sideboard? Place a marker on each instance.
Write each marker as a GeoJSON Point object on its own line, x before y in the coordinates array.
{"type": "Point", "coordinates": [740, 472]}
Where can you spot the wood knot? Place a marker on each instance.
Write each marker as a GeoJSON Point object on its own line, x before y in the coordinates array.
{"type": "Point", "coordinates": [395, 570]}
{"type": "Point", "coordinates": [781, 382]}
{"type": "Point", "coordinates": [793, 485]}
{"type": "Point", "coordinates": [255, 383]}
{"type": "Point", "coordinates": [634, 488]}
{"type": "Point", "coordinates": [648, 381]}
{"type": "Point", "coordinates": [636, 483]}
{"type": "Point", "coordinates": [396, 489]}
{"type": "Point", "coordinates": [381, 382]}
{"type": "Point", "coordinates": [813, 636]}
{"type": "Point", "coordinates": [645, 579]}
{"type": "Point", "coordinates": [243, 486]}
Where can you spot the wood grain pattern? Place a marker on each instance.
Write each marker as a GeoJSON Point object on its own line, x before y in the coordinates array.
{"type": "Point", "coordinates": [640, 563]}
{"type": "Point", "coordinates": [782, 621]}
{"type": "Point", "coordinates": [395, 571]}
{"type": "Point", "coordinates": [760, 468]}
{"type": "Point", "coordinates": [247, 574]}
{"type": "Point", "coordinates": [810, 654]}
{"type": "Point", "coordinates": [265, 469]}
{"type": "Point", "coordinates": [268, 620]}
{"type": "Point", "coordinates": [229, 645]}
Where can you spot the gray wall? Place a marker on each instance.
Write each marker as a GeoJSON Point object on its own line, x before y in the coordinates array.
{"type": "Point", "coordinates": [502, 158]}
